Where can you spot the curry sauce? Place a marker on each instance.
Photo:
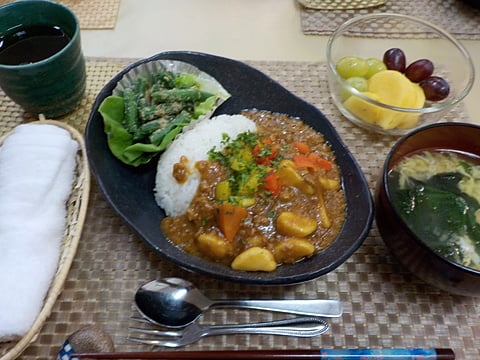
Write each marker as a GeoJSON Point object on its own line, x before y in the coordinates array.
{"type": "Point", "coordinates": [292, 208]}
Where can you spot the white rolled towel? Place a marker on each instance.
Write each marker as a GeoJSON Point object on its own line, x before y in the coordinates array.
{"type": "Point", "coordinates": [37, 169]}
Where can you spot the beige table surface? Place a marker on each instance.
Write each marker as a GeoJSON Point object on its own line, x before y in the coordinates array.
{"type": "Point", "coordinates": [384, 305]}
{"type": "Point", "coordinates": [240, 29]}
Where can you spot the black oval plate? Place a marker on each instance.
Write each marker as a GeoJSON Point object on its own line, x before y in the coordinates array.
{"type": "Point", "coordinates": [129, 190]}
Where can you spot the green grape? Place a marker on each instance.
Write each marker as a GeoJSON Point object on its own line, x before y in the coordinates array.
{"type": "Point", "coordinates": [352, 66]}
{"type": "Point", "coordinates": [359, 83]}
{"type": "Point", "coordinates": [374, 66]}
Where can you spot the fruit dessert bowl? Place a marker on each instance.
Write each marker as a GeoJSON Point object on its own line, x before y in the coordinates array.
{"type": "Point", "coordinates": [394, 85]}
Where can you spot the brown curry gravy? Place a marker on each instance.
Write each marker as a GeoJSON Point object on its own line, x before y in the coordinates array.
{"type": "Point", "coordinates": [258, 229]}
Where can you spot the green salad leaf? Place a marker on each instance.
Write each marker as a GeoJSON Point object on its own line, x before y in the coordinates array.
{"type": "Point", "coordinates": [120, 141]}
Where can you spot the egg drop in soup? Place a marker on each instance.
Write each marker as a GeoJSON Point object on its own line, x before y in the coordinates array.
{"type": "Point", "coordinates": [437, 194]}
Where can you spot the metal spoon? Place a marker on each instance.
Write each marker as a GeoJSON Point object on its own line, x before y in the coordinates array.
{"type": "Point", "coordinates": [175, 302]}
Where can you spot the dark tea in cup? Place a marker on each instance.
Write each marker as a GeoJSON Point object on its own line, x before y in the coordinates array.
{"type": "Point", "coordinates": [42, 67]}
{"type": "Point", "coordinates": [29, 44]}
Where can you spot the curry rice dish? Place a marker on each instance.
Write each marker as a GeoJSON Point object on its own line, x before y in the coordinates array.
{"type": "Point", "coordinates": [264, 198]}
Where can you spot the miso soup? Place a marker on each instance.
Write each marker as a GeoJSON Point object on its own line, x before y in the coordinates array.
{"type": "Point", "coordinates": [437, 193]}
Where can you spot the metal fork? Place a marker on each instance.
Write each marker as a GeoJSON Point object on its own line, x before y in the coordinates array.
{"type": "Point", "coordinates": [299, 326]}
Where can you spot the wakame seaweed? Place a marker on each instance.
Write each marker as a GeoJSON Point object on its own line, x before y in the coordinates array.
{"type": "Point", "coordinates": [439, 213]}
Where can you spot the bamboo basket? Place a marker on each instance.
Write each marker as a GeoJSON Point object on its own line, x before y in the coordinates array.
{"type": "Point", "coordinates": [76, 213]}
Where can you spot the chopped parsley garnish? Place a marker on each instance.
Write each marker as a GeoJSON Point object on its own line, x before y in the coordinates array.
{"type": "Point", "coordinates": [248, 159]}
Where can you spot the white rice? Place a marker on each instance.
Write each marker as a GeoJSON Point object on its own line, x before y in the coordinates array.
{"type": "Point", "coordinates": [193, 144]}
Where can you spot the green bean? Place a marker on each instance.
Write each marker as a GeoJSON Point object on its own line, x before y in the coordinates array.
{"type": "Point", "coordinates": [141, 87]}
{"type": "Point", "coordinates": [179, 95]}
{"type": "Point", "coordinates": [169, 109]}
{"type": "Point", "coordinates": [152, 112]}
{"type": "Point", "coordinates": [170, 136]}
{"type": "Point", "coordinates": [157, 109]}
{"type": "Point", "coordinates": [177, 124]}
{"type": "Point", "coordinates": [147, 113]}
{"type": "Point", "coordinates": [165, 78]}
{"type": "Point", "coordinates": [130, 112]}
{"type": "Point", "coordinates": [157, 87]}
{"type": "Point", "coordinates": [145, 130]}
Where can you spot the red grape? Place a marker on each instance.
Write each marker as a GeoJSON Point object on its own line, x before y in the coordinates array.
{"type": "Point", "coordinates": [419, 70]}
{"type": "Point", "coordinates": [395, 59]}
{"type": "Point", "coordinates": [435, 88]}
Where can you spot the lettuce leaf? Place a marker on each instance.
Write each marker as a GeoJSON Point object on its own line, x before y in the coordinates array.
{"type": "Point", "coordinates": [120, 141]}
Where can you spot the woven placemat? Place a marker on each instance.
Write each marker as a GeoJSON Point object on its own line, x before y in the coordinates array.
{"type": "Point", "coordinates": [455, 16]}
{"type": "Point", "coordinates": [384, 305]}
{"type": "Point", "coordinates": [92, 14]}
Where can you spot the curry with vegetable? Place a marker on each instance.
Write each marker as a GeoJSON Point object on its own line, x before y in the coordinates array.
{"type": "Point", "coordinates": [265, 199]}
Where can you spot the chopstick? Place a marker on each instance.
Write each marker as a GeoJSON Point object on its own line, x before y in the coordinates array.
{"type": "Point", "coordinates": [337, 354]}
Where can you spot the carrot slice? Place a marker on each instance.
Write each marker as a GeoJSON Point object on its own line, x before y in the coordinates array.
{"type": "Point", "coordinates": [321, 162]}
{"type": "Point", "coordinates": [301, 147]}
{"type": "Point", "coordinates": [265, 152]}
{"type": "Point", "coordinates": [230, 218]}
{"type": "Point", "coordinates": [273, 183]}
{"type": "Point", "coordinates": [304, 162]}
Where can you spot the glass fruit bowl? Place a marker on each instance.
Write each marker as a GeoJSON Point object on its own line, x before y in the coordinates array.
{"type": "Point", "coordinates": [396, 84]}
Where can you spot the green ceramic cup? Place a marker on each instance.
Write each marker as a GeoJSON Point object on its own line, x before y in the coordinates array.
{"type": "Point", "coordinates": [55, 85]}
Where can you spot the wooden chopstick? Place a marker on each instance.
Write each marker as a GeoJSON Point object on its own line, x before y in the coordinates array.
{"type": "Point", "coordinates": [441, 354]}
